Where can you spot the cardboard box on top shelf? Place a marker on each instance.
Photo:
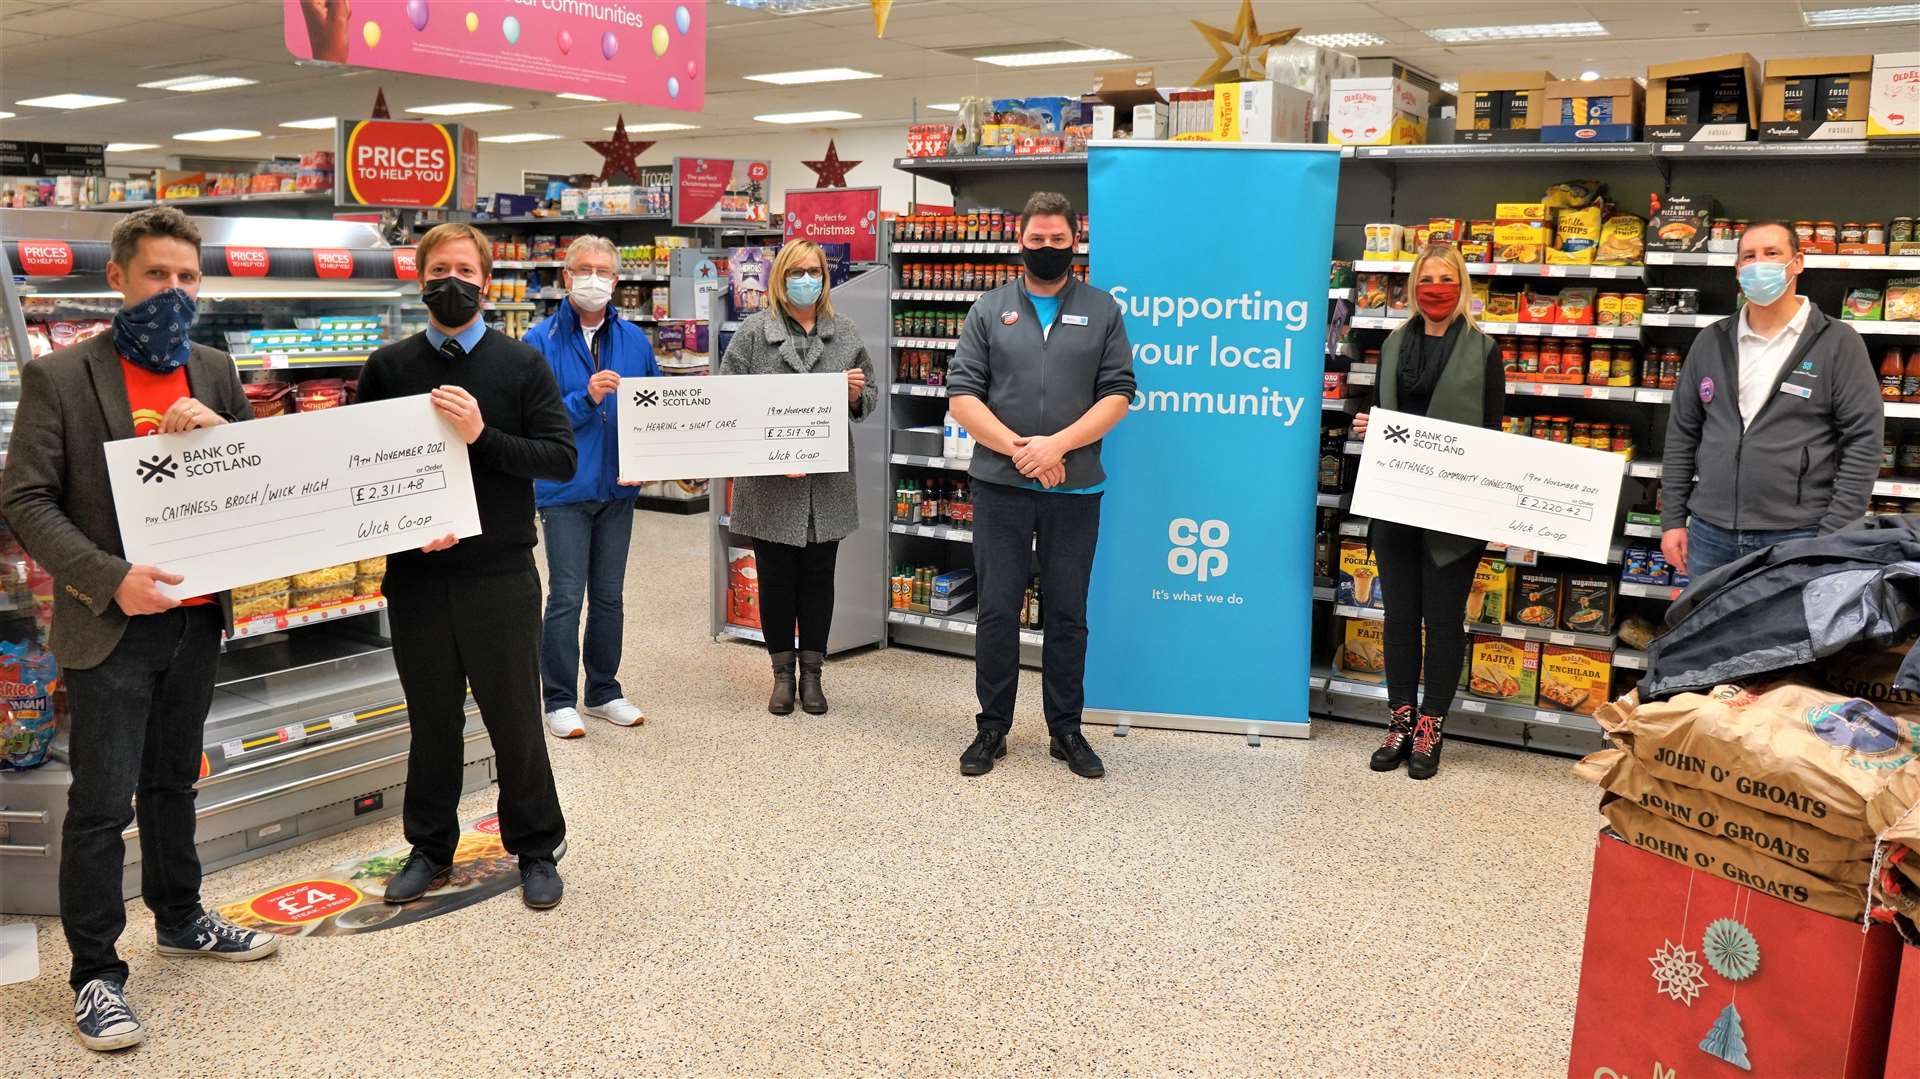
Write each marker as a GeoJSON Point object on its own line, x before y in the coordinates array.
{"type": "Point", "coordinates": [1502, 106]}
{"type": "Point", "coordinates": [1893, 102]}
{"type": "Point", "coordinates": [1263, 112]}
{"type": "Point", "coordinates": [1604, 110]}
{"type": "Point", "coordinates": [1114, 97]}
{"type": "Point", "coordinates": [1712, 100]}
{"type": "Point", "coordinates": [1377, 112]}
{"type": "Point", "coordinates": [1817, 98]}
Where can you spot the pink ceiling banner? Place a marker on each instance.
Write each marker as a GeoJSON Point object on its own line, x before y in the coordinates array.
{"type": "Point", "coordinates": [646, 52]}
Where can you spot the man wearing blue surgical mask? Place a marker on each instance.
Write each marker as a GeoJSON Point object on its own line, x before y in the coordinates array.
{"type": "Point", "coordinates": [1775, 431]}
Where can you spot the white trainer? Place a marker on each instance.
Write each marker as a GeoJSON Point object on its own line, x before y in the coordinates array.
{"type": "Point", "coordinates": [565, 723]}
{"type": "Point", "coordinates": [619, 711]}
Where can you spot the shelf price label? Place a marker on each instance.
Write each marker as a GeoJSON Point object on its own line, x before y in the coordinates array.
{"type": "Point", "coordinates": [1542, 716]}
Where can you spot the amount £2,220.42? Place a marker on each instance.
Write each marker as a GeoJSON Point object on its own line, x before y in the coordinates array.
{"type": "Point", "coordinates": [1556, 507]}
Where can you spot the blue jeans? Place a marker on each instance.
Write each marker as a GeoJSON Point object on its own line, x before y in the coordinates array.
{"type": "Point", "coordinates": [1709, 546]}
{"type": "Point", "coordinates": [586, 566]}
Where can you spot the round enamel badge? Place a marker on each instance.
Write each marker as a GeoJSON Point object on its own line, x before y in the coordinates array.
{"type": "Point", "coordinates": [1706, 389]}
{"type": "Point", "coordinates": [1008, 318]}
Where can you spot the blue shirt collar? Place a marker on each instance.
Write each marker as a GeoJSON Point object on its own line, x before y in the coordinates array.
{"type": "Point", "coordinates": [469, 338]}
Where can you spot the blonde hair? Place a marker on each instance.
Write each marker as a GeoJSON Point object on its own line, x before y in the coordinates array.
{"type": "Point", "coordinates": [1450, 255]}
{"type": "Point", "coordinates": [448, 233]}
{"type": "Point", "coordinates": [796, 251]}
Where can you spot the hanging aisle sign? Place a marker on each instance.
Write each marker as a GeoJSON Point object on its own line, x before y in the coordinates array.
{"type": "Point", "coordinates": [837, 215]}
{"type": "Point", "coordinates": [405, 165]}
{"type": "Point", "coordinates": [647, 52]}
{"type": "Point", "coordinates": [710, 191]}
{"type": "Point", "coordinates": [1201, 611]}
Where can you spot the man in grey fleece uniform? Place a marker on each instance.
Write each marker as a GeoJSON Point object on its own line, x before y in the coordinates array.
{"type": "Point", "coordinates": [1777, 413]}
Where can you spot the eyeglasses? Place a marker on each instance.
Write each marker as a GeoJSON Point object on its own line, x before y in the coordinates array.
{"type": "Point", "coordinates": [597, 275]}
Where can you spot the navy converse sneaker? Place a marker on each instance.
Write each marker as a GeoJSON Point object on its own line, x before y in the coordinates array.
{"type": "Point", "coordinates": [102, 1018]}
{"type": "Point", "coordinates": [216, 938]}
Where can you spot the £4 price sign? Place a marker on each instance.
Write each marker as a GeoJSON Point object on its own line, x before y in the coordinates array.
{"type": "Point", "coordinates": [306, 901]}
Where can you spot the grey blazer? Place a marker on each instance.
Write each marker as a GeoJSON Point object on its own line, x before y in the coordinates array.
{"type": "Point", "coordinates": [56, 496]}
{"type": "Point", "coordinates": [773, 507]}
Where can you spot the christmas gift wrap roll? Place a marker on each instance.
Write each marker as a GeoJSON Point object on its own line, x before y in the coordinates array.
{"type": "Point", "coordinates": [1782, 839]}
{"type": "Point", "coordinates": [1726, 859]}
{"type": "Point", "coordinates": [1784, 747]}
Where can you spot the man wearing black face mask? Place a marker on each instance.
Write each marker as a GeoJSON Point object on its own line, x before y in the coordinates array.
{"type": "Point", "coordinates": [1042, 373]}
{"type": "Point", "coordinates": [138, 664]}
{"type": "Point", "coordinates": [466, 614]}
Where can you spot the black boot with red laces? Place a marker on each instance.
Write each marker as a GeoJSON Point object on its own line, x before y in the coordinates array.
{"type": "Point", "coordinates": [1399, 741]}
{"type": "Point", "coordinates": [1427, 740]}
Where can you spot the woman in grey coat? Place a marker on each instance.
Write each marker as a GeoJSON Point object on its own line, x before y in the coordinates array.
{"type": "Point", "coordinates": [797, 522]}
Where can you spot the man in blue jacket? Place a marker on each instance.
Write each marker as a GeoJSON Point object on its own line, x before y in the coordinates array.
{"type": "Point", "coordinates": [587, 522]}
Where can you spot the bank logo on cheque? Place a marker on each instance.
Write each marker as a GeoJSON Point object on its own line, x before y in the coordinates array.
{"type": "Point", "coordinates": [1398, 434]}
{"type": "Point", "coordinates": [157, 469]}
{"type": "Point", "coordinates": [1872, 738]}
{"type": "Point", "coordinates": [1199, 550]}
{"type": "Point", "coordinates": [646, 398]}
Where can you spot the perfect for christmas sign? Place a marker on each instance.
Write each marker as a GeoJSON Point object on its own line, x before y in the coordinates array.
{"type": "Point", "coordinates": [646, 52]}
{"type": "Point", "coordinates": [405, 165]}
{"type": "Point", "coordinates": [837, 215]}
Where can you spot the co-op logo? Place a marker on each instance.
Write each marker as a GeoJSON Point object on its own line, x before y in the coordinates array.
{"type": "Point", "coordinates": [1199, 549]}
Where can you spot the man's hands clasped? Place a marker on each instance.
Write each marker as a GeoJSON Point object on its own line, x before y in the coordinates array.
{"type": "Point", "coordinates": [1042, 459]}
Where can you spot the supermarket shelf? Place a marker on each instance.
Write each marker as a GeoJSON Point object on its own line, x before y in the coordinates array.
{"type": "Point", "coordinates": [743, 633]}
{"type": "Point", "coordinates": [1689, 258]}
{"type": "Point", "coordinates": [1339, 294]}
{"type": "Point", "coordinates": [962, 624]}
{"type": "Point", "coordinates": [733, 326]}
{"type": "Point", "coordinates": [1905, 487]}
{"type": "Point", "coordinates": [558, 219]}
{"type": "Point", "coordinates": [910, 389]}
{"type": "Point", "coordinates": [262, 625]}
{"type": "Point", "coordinates": [269, 361]}
{"type": "Point", "coordinates": [964, 247]}
{"type": "Point", "coordinates": [1517, 329]}
{"type": "Point", "coordinates": [1894, 263]}
{"type": "Point", "coordinates": [1644, 470]}
{"type": "Point", "coordinates": [937, 168]}
{"type": "Point", "coordinates": [1902, 410]}
{"type": "Point", "coordinates": [1760, 151]}
{"type": "Point", "coordinates": [1577, 392]}
{"type": "Point", "coordinates": [1323, 593]}
{"type": "Point", "coordinates": [1363, 374]}
{"type": "Point", "coordinates": [914, 460]}
{"type": "Point", "coordinates": [1339, 404]}
{"type": "Point", "coordinates": [1338, 501]}
{"type": "Point", "coordinates": [1641, 531]}
{"type": "Point", "coordinates": [1514, 269]}
{"type": "Point", "coordinates": [1631, 659]}
{"type": "Point", "coordinates": [528, 306]}
{"type": "Point", "coordinates": [218, 200]}
{"type": "Point", "coordinates": [941, 295]}
{"type": "Point", "coordinates": [1650, 591]}
{"type": "Point", "coordinates": [557, 264]}
{"type": "Point", "coordinates": [1464, 702]}
{"type": "Point", "coordinates": [939, 532]}
{"type": "Point", "coordinates": [948, 343]}
{"type": "Point", "coordinates": [1601, 641]}
{"type": "Point", "coordinates": [1684, 322]}
{"type": "Point", "coordinates": [1883, 329]}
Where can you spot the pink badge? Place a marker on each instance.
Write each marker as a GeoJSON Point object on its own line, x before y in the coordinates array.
{"type": "Point", "coordinates": [1706, 390]}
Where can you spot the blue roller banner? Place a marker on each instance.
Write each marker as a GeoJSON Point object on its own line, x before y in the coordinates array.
{"type": "Point", "coordinates": [1202, 600]}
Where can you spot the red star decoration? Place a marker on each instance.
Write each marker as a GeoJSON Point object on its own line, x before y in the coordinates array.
{"type": "Point", "coordinates": [619, 153]}
{"type": "Point", "coordinates": [831, 172]}
{"type": "Point", "coordinates": [380, 110]}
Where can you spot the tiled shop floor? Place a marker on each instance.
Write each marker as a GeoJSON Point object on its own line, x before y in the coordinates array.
{"type": "Point", "coordinates": [758, 896]}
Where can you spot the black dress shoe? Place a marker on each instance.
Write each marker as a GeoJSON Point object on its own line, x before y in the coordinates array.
{"type": "Point", "coordinates": [540, 884]}
{"type": "Point", "coordinates": [987, 747]}
{"type": "Point", "coordinates": [1080, 757]}
{"type": "Point", "coordinates": [420, 876]}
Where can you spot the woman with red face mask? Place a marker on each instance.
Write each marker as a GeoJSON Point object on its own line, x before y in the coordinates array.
{"type": "Point", "coordinates": [1438, 365]}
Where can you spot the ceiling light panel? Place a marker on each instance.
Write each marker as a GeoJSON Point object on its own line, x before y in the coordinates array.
{"type": "Point", "coordinates": [820, 116]}
{"type": "Point", "coordinates": [946, 106]}
{"type": "Point", "coordinates": [1862, 16]}
{"type": "Point", "coordinates": [70, 101]}
{"type": "Point", "coordinates": [797, 7]}
{"type": "Point", "coordinates": [318, 123]}
{"type": "Point", "coordinates": [524, 136]}
{"type": "Point", "coordinates": [813, 75]}
{"type": "Point", "coordinates": [1348, 40]}
{"type": "Point", "coordinates": [1473, 35]}
{"type": "Point", "coordinates": [217, 134]}
{"type": "Point", "coordinates": [194, 84]}
{"type": "Point", "coordinates": [458, 108]}
{"type": "Point", "coordinates": [129, 147]}
{"type": "Point", "coordinates": [654, 129]}
{"type": "Point", "coordinates": [1048, 59]}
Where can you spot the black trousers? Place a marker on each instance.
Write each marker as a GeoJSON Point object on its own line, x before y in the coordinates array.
{"type": "Point", "coordinates": [1420, 591]}
{"type": "Point", "coordinates": [139, 721]}
{"type": "Point", "coordinates": [796, 585]}
{"type": "Point", "coordinates": [451, 633]}
{"type": "Point", "coordinates": [1006, 522]}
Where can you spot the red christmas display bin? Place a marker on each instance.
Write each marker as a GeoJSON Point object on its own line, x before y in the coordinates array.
{"type": "Point", "coordinates": [1690, 975]}
{"type": "Point", "coordinates": [1903, 1048]}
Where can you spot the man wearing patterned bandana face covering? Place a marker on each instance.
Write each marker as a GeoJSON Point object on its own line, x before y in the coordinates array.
{"type": "Point", "coordinates": [139, 665]}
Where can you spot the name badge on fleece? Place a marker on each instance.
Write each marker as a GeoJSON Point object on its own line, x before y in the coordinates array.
{"type": "Point", "coordinates": [1074, 320]}
{"type": "Point", "coordinates": [1803, 392]}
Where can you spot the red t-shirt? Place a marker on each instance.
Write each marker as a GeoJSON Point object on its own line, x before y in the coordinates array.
{"type": "Point", "coordinates": [150, 396]}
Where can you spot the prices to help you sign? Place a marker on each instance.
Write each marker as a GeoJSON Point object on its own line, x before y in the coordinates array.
{"type": "Point", "coordinates": [406, 165]}
{"type": "Point", "coordinates": [1524, 492]}
{"type": "Point", "coordinates": [837, 215]}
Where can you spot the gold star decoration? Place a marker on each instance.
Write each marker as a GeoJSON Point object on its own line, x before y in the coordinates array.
{"type": "Point", "coordinates": [830, 172]}
{"type": "Point", "coordinates": [880, 10]}
{"type": "Point", "coordinates": [618, 153]}
{"type": "Point", "coordinates": [1240, 54]}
